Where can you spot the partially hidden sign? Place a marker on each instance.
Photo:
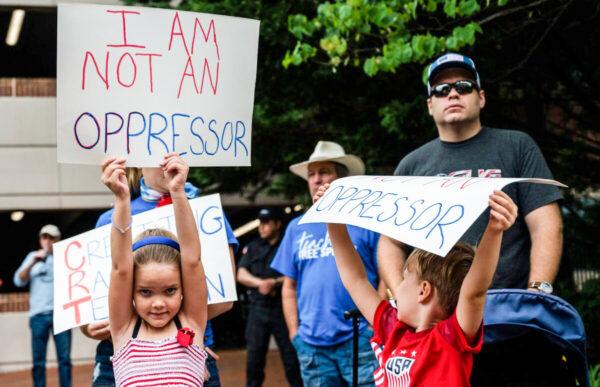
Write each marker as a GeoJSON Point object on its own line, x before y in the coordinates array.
{"type": "Point", "coordinates": [82, 263]}
{"type": "Point", "coordinates": [430, 213]}
{"type": "Point", "coordinates": [137, 83]}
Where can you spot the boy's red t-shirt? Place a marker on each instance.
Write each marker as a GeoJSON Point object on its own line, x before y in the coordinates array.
{"type": "Point", "coordinates": [440, 356]}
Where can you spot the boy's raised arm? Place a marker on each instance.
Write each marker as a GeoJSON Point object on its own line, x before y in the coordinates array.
{"type": "Point", "coordinates": [351, 268]}
{"type": "Point", "coordinates": [352, 271]}
{"type": "Point", "coordinates": [471, 301]}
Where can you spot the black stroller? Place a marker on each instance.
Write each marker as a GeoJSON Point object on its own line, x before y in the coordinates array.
{"type": "Point", "coordinates": [530, 339]}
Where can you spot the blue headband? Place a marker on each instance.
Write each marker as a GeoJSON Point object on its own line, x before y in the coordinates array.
{"type": "Point", "coordinates": [155, 240]}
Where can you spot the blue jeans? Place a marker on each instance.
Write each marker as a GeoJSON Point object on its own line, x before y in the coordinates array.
{"type": "Point", "coordinates": [103, 375]}
{"type": "Point", "coordinates": [41, 326]}
{"type": "Point", "coordinates": [331, 366]}
{"type": "Point", "coordinates": [211, 365]}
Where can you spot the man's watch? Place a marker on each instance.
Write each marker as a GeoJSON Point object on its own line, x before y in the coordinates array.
{"type": "Point", "coordinates": [542, 286]}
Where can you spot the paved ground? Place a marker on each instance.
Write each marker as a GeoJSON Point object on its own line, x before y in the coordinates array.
{"type": "Point", "coordinates": [232, 367]}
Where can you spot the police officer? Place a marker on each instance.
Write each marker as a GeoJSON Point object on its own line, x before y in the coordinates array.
{"type": "Point", "coordinates": [265, 315]}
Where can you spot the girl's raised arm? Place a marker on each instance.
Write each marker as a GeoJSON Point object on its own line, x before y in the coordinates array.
{"type": "Point", "coordinates": [195, 293]}
{"type": "Point", "coordinates": [120, 308]}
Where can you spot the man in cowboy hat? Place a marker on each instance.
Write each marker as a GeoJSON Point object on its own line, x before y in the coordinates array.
{"type": "Point", "coordinates": [313, 296]}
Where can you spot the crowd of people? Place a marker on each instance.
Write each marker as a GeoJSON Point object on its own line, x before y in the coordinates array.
{"type": "Point", "coordinates": [301, 279]}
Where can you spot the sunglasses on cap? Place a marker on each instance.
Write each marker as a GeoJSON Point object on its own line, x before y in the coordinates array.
{"type": "Point", "coordinates": [461, 87]}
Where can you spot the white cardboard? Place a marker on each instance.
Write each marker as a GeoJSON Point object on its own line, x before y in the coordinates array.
{"type": "Point", "coordinates": [138, 82]}
{"type": "Point", "coordinates": [82, 263]}
{"type": "Point", "coordinates": [430, 213]}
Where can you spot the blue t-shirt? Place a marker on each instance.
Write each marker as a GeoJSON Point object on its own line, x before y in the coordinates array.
{"type": "Point", "coordinates": [306, 256]}
{"type": "Point", "coordinates": [138, 206]}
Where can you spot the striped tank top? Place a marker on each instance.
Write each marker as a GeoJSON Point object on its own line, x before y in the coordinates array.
{"type": "Point", "coordinates": [158, 363]}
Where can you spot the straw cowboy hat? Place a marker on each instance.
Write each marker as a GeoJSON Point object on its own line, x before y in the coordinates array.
{"type": "Point", "coordinates": [330, 151]}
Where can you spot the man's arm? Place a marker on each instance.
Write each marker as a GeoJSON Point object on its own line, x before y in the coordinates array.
{"type": "Point", "coordinates": [545, 229]}
{"type": "Point", "coordinates": [22, 275]}
{"type": "Point", "coordinates": [263, 285]}
{"type": "Point", "coordinates": [390, 261]}
{"type": "Point", "coordinates": [289, 303]}
{"type": "Point", "coordinates": [247, 279]}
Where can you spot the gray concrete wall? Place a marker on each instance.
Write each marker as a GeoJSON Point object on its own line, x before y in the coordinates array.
{"type": "Point", "coordinates": [15, 339]}
{"type": "Point", "coordinates": [31, 176]}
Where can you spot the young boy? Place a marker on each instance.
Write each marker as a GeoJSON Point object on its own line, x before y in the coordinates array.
{"type": "Point", "coordinates": [430, 338]}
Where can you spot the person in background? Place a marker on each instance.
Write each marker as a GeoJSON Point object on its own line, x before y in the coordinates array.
{"type": "Point", "coordinates": [531, 249]}
{"type": "Point", "coordinates": [265, 317]}
{"type": "Point", "coordinates": [313, 296]}
{"type": "Point", "coordinates": [37, 271]}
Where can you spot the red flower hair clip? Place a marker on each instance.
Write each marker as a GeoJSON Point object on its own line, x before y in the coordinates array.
{"type": "Point", "coordinates": [185, 336]}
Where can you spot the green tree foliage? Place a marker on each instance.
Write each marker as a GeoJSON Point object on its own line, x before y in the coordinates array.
{"type": "Point", "coordinates": [295, 108]}
{"type": "Point", "coordinates": [383, 35]}
{"type": "Point", "coordinates": [537, 58]}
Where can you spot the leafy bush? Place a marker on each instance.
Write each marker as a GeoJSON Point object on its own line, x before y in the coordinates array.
{"type": "Point", "coordinates": [595, 376]}
{"type": "Point", "coordinates": [587, 303]}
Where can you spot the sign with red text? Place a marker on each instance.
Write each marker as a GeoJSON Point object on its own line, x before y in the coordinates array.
{"type": "Point", "coordinates": [82, 263]}
{"type": "Point", "coordinates": [430, 213]}
{"type": "Point", "coordinates": [138, 83]}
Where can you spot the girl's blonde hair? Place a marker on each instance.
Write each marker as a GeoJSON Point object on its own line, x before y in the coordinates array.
{"type": "Point", "coordinates": [156, 253]}
{"type": "Point", "coordinates": [133, 180]}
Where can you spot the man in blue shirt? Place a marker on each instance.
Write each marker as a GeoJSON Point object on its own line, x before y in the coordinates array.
{"type": "Point", "coordinates": [37, 271]}
{"type": "Point", "coordinates": [313, 296]}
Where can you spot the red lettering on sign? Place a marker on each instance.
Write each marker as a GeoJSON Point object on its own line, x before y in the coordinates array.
{"type": "Point", "coordinates": [75, 282]}
{"type": "Point", "coordinates": [190, 66]}
{"type": "Point", "coordinates": [150, 68]}
{"type": "Point", "coordinates": [104, 78]}
{"type": "Point", "coordinates": [75, 304]}
{"type": "Point", "coordinates": [179, 33]}
{"type": "Point", "coordinates": [211, 27]}
{"type": "Point", "coordinates": [124, 30]}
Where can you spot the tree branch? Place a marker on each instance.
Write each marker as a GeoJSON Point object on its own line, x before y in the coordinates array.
{"type": "Point", "coordinates": [511, 10]}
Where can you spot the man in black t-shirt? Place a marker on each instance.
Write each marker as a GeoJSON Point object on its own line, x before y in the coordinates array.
{"type": "Point", "coordinates": [265, 315]}
{"type": "Point", "coordinates": [532, 247]}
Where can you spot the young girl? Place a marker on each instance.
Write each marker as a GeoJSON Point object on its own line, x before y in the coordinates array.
{"type": "Point", "coordinates": [157, 295]}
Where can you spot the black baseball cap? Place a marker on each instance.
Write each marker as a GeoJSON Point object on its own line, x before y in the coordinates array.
{"type": "Point", "coordinates": [269, 214]}
{"type": "Point", "coordinates": [451, 60]}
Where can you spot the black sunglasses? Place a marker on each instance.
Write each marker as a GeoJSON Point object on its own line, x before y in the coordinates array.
{"type": "Point", "coordinates": [461, 87]}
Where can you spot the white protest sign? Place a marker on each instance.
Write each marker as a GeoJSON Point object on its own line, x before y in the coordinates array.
{"type": "Point", "coordinates": [137, 83]}
{"type": "Point", "coordinates": [82, 263]}
{"type": "Point", "coordinates": [430, 213]}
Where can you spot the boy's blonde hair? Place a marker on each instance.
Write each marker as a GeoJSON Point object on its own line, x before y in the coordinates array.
{"type": "Point", "coordinates": [446, 274]}
{"type": "Point", "coordinates": [156, 253]}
